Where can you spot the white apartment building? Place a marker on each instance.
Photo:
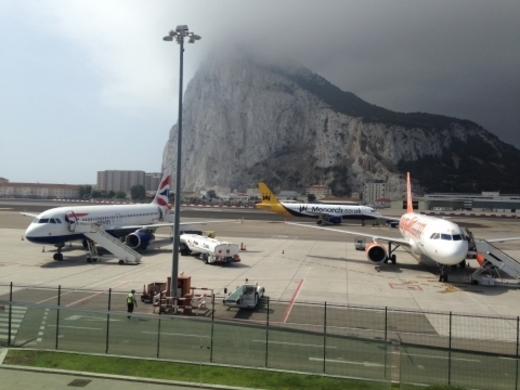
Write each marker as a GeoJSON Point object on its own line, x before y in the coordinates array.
{"type": "Point", "coordinates": [373, 190]}
{"type": "Point", "coordinates": [152, 180]}
{"type": "Point", "coordinates": [115, 180]}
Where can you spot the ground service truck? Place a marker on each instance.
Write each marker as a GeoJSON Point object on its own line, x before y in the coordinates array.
{"type": "Point", "coordinates": [246, 296]}
{"type": "Point", "coordinates": [211, 250]}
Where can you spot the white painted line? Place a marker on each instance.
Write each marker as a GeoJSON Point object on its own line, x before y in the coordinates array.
{"type": "Point", "coordinates": [176, 334]}
{"type": "Point", "coordinates": [6, 320]}
{"type": "Point", "coordinates": [76, 327]}
{"type": "Point", "coordinates": [442, 357]}
{"type": "Point", "coordinates": [6, 331]}
{"type": "Point", "coordinates": [297, 344]}
{"type": "Point", "coordinates": [366, 364]}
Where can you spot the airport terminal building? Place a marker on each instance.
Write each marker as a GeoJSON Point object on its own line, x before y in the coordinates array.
{"type": "Point", "coordinates": [491, 201]}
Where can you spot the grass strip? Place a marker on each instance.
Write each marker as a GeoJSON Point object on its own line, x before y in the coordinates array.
{"type": "Point", "coordinates": [195, 373]}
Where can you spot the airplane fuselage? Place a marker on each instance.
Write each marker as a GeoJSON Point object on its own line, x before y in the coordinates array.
{"type": "Point", "coordinates": [440, 240]}
{"type": "Point", "coordinates": [63, 224]}
{"type": "Point", "coordinates": [317, 211]}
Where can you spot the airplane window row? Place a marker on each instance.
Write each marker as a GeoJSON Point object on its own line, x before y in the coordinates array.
{"type": "Point", "coordinates": [123, 216]}
{"type": "Point", "coordinates": [447, 237]}
{"type": "Point", "coordinates": [57, 220]}
{"type": "Point", "coordinates": [47, 220]}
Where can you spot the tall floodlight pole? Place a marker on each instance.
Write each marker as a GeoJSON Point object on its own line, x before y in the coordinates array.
{"type": "Point", "coordinates": [178, 35]}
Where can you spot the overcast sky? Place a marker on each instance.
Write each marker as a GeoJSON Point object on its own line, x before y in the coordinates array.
{"type": "Point", "coordinates": [90, 85]}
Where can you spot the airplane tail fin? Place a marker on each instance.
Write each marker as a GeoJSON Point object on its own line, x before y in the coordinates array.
{"type": "Point", "coordinates": [161, 196]}
{"type": "Point", "coordinates": [409, 202]}
{"type": "Point", "coordinates": [267, 196]}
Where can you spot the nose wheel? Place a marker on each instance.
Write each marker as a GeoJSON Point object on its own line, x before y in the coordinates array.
{"type": "Point", "coordinates": [443, 277]}
{"type": "Point", "coordinates": [58, 256]}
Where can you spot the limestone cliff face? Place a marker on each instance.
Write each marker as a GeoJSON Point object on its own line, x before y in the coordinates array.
{"type": "Point", "coordinates": [246, 120]}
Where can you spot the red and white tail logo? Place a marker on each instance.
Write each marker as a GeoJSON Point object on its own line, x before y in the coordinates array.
{"type": "Point", "coordinates": [161, 197]}
{"type": "Point", "coordinates": [409, 203]}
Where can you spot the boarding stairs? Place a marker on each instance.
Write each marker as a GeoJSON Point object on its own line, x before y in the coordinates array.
{"type": "Point", "coordinates": [495, 260]}
{"type": "Point", "coordinates": [124, 253]}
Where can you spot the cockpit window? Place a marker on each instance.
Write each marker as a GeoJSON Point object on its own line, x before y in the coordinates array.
{"type": "Point", "coordinates": [457, 237]}
{"type": "Point", "coordinates": [58, 220]}
{"type": "Point", "coordinates": [446, 237]}
{"type": "Point", "coordinates": [35, 220]}
{"type": "Point", "coordinates": [435, 236]}
{"type": "Point", "coordinates": [44, 220]}
{"type": "Point", "coordinates": [52, 220]}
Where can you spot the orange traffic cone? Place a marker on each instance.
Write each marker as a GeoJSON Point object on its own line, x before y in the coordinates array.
{"type": "Point", "coordinates": [144, 291]}
{"type": "Point", "coordinates": [43, 249]}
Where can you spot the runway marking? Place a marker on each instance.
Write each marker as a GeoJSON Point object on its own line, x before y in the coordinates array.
{"type": "Point", "coordinates": [366, 364]}
{"type": "Point", "coordinates": [292, 301]}
{"type": "Point", "coordinates": [176, 334]}
{"type": "Point", "coordinates": [76, 327]}
{"type": "Point", "coordinates": [94, 295]}
{"type": "Point", "coordinates": [297, 344]}
{"type": "Point", "coordinates": [443, 357]}
{"type": "Point", "coordinates": [405, 286]}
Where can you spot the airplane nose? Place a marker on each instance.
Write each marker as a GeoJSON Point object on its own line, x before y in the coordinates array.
{"type": "Point", "coordinates": [30, 234]}
{"type": "Point", "coordinates": [454, 254]}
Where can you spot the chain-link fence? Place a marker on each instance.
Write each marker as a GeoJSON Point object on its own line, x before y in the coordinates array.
{"type": "Point", "coordinates": [376, 343]}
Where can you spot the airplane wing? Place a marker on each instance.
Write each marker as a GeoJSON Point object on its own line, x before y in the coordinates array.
{"type": "Point", "coordinates": [29, 214]}
{"type": "Point", "coordinates": [374, 237]}
{"type": "Point", "coordinates": [171, 224]}
{"type": "Point", "coordinates": [502, 239]}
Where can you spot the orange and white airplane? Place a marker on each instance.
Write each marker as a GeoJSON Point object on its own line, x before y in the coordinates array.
{"type": "Point", "coordinates": [438, 239]}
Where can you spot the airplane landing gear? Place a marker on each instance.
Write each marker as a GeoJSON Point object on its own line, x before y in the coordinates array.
{"type": "Point", "coordinates": [443, 277]}
{"type": "Point", "coordinates": [58, 256]}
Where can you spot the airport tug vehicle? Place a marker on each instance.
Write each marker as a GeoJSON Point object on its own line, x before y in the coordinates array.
{"type": "Point", "coordinates": [245, 296]}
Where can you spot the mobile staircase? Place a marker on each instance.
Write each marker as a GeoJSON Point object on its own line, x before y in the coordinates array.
{"type": "Point", "coordinates": [492, 260]}
{"type": "Point", "coordinates": [124, 253]}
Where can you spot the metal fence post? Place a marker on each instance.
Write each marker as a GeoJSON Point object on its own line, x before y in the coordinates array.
{"type": "Point", "coordinates": [267, 336]}
{"type": "Point", "coordinates": [212, 330]}
{"type": "Point", "coordinates": [108, 318]}
{"type": "Point", "coordinates": [449, 353]}
{"type": "Point", "coordinates": [324, 336]}
{"type": "Point", "coordinates": [158, 334]}
{"type": "Point", "coordinates": [58, 316]}
{"type": "Point", "coordinates": [386, 340]}
{"type": "Point", "coordinates": [517, 334]}
{"type": "Point", "coordinates": [517, 341]}
{"type": "Point", "coordinates": [386, 324]}
{"type": "Point", "coordinates": [10, 314]}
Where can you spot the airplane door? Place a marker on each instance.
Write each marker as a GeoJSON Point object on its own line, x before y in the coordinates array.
{"type": "Point", "coordinates": [72, 220]}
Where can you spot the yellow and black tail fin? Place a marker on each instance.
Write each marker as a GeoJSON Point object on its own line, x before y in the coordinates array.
{"type": "Point", "coordinates": [409, 201]}
{"type": "Point", "coordinates": [266, 195]}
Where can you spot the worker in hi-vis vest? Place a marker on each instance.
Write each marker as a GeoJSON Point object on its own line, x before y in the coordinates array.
{"type": "Point", "coordinates": [130, 302]}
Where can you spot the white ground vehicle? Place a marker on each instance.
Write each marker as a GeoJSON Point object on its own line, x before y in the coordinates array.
{"type": "Point", "coordinates": [211, 250]}
{"type": "Point", "coordinates": [246, 296]}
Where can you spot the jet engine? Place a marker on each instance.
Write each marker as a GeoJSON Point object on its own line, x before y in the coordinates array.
{"type": "Point", "coordinates": [139, 239]}
{"type": "Point", "coordinates": [376, 252]}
